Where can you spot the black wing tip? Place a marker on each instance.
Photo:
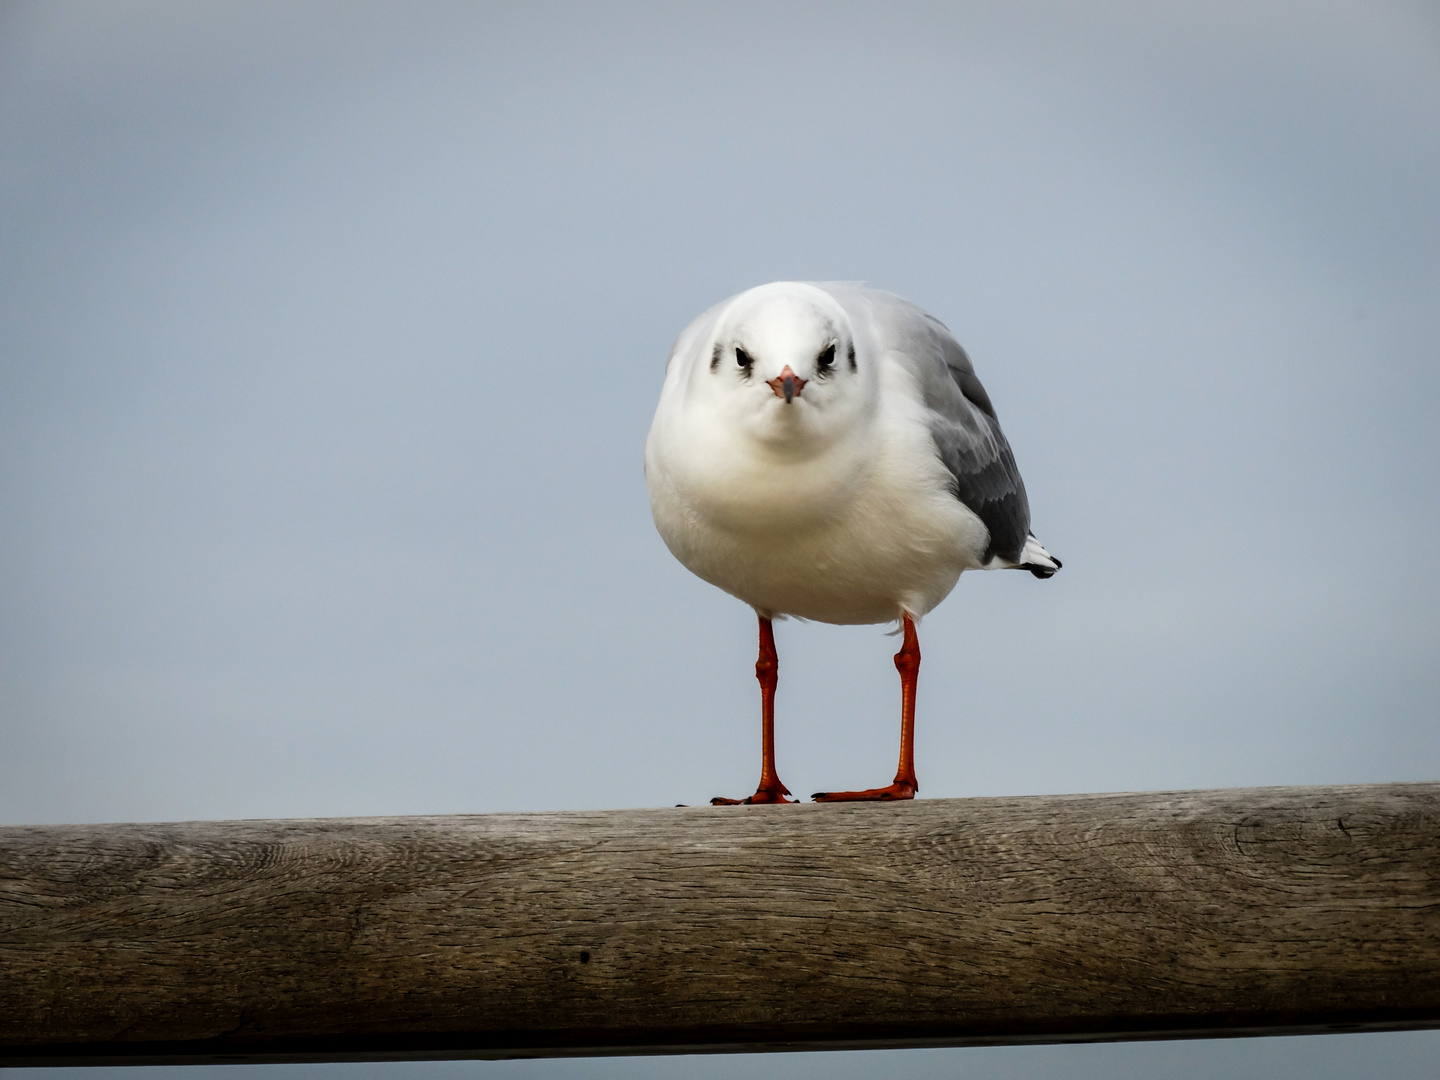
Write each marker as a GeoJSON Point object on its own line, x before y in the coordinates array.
{"type": "Point", "coordinates": [1043, 570]}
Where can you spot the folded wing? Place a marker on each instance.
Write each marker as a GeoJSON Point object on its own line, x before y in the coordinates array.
{"type": "Point", "coordinates": [964, 427]}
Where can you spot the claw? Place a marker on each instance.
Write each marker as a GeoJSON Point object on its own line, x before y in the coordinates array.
{"type": "Point", "coordinates": [765, 796]}
{"type": "Point", "coordinates": [893, 793]}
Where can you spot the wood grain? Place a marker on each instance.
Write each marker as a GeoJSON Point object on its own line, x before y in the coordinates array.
{"type": "Point", "coordinates": [937, 922]}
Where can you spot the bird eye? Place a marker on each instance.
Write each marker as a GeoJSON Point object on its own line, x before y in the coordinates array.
{"type": "Point", "coordinates": [827, 358]}
{"type": "Point", "coordinates": [743, 358]}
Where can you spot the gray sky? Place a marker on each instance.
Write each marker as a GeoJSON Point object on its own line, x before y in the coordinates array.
{"type": "Point", "coordinates": [330, 335]}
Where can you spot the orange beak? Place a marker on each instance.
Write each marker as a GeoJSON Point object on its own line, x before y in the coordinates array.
{"type": "Point", "coordinates": [787, 385]}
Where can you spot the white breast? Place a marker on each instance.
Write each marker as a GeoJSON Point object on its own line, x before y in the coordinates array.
{"type": "Point", "coordinates": [861, 533]}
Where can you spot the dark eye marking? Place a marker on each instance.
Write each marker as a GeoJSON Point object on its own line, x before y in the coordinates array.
{"type": "Point", "coordinates": [826, 360]}
{"type": "Point", "coordinates": [744, 359]}
{"type": "Point", "coordinates": [715, 355]}
{"type": "Point", "coordinates": [851, 352]}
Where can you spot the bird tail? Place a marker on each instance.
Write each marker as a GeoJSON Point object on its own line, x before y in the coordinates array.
{"type": "Point", "coordinates": [1036, 559]}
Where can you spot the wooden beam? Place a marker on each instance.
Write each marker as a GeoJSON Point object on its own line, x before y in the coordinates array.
{"type": "Point", "coordinates": [935, 923]}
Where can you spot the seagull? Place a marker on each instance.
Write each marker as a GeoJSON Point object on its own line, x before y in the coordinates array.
{"type": "Point", "coordinates": [825, 451]}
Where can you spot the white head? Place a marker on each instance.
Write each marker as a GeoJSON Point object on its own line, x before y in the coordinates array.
{"type": "Point", "coordinates": [767, 417]}
{"type": "Point", "coordinates": [781, 368]}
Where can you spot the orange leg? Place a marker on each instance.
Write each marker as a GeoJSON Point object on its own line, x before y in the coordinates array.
{"type": "Point", "coordinates": [767, 670]}
{"type": "Point", "coordinates": [907, 662]}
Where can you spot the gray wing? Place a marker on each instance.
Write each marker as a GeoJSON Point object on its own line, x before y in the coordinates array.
{"type": "Point", "coordinates": [963, 423]}
{"type": "Point", "coordinates": [972, 446]}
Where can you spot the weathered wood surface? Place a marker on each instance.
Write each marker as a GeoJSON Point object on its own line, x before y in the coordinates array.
{"type": "Point", "coordinates": [940, 922]}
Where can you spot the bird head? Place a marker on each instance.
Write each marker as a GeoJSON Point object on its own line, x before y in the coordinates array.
{"type": "Point", "coordinates": [782, 366]}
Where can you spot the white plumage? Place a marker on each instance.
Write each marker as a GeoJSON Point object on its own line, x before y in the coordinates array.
{"type": "Point", "coordinates": [826, 451]}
